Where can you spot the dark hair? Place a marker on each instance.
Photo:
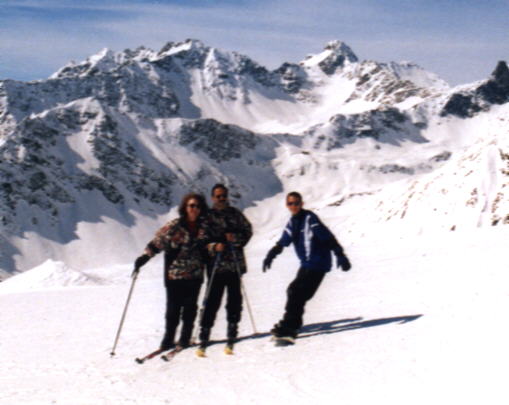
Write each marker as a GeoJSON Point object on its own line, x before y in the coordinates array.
{"type": "Point", "coordinates": [218, 185]}
{"type": "Point", "coordinates": [294, 194]}
{"type": "Point", "coordinates": [201, 202]}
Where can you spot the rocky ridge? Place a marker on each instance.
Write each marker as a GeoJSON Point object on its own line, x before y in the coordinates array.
{"type": "Point", "coordinates": [123, 135]}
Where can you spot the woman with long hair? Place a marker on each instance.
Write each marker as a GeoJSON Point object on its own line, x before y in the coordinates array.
{"type": "Point", "coordinates": [184, 241]}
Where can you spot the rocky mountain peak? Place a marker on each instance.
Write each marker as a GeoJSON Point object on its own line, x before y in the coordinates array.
{"type": "Point", "coordinates": [340, 48]}
{"type": "Point", "coordinates": [501, 73]}
{"type": "Point", "coordinates": [103, 61]}
{"type": "Point", "coordinates": [189, 45]}
{"type": "Point", "coordinates": [141, 53]}
{"type": "Point", "coordinates": [495, 90]}
{"type": "Point", "coordinates": [334, 56]}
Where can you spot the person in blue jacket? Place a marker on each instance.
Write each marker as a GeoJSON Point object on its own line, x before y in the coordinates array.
{"type": "Point", "coordinates": [314, 244]}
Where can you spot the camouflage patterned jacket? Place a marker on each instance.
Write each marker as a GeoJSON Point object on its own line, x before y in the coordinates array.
{"type": "Point", "coordinates": [185, 255]}
{"type": "Point", "coordinates": [230, 220]}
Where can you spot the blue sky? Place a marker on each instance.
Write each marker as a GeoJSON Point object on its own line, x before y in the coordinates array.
{"type": "Point", "coordinates": [460, 40]}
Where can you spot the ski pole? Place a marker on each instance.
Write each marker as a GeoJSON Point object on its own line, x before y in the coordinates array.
{"type": "Point", "coordinates": [244, 293]}
{"type": "Point", "coordinates": [207, 292]}
{"type": "Point", "coordinates": [135, 276]}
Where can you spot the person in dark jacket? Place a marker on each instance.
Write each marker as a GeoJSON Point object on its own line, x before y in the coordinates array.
{"type": "Point", "coordinates": [232, 232]}
{"type": "Point", "coordinates": [184, 241]}
{"type": "Point", "coordinates": [314, 244]}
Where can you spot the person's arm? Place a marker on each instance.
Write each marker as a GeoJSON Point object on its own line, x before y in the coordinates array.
{"type": "Point", "coordinates": [242, 231]}
{"type": "Point", "coordinates": [154, 247]}
{"type": "Point", "coordinates": [284, 241]}
{"type": "Point", "coordinates": [341, 259]}
{"type": "Point", "coordinates": [319, 230]}
{"type": "Point", "coordinates": [322, 233]}
{"type": "Point", "coordinates": [215, 237]}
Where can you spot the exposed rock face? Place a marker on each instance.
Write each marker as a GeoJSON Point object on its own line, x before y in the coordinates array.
{"type": "Point", "coordinates": [217, 141]}
{"type": "Point", "coordinates": [40, 167]}
{"type": "Point", "coordinates": [382, 83]}
{"type": "Point", "coordinates": [122, 136]}
{"type": "Point", "coordinates": [494, 91]}
{"type": "Point", "coordinates": [127, 88]}
{"type": "Point", "coordinates": [461, 105]}
{"type": "Point", "coordinates": [384, 125]}
{"type": "Point", "coordinates": [340, 53]}
{"type": "Point", "coordinates": [292, 77]}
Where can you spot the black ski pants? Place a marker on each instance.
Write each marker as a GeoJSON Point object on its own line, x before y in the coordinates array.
{"type": "Point", "coordinates": [300, 290]}
{"type": "Point", "coordinates": [181, 302]}
{"type": "Point", "coordinates": [229, 281]}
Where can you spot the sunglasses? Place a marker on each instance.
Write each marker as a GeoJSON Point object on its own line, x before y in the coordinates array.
{"type": "Point", "coordinates": [295, 203]}
{"type": "Point", "coordinates": [193, 205]}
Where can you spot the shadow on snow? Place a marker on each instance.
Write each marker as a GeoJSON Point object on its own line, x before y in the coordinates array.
{"type": "Point", "coordinates": [325, 328]}
{"type": "Point", "coordinates": [341, 325]}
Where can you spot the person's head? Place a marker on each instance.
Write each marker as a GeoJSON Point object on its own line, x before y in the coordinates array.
{"type": "Point", "coordinates": [192, 206]}
{"type": "Point", "coordinates": [294, 202]}
{"type": "Point", "coordinates": [219, 196]}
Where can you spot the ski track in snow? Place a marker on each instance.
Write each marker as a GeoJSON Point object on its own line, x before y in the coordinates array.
{"type": "Point", "coordinates": [417, 320]}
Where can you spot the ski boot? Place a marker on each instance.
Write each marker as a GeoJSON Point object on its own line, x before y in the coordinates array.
{"type": "Point", "coordinates": [167, 343]}
{"type": "Point", "coordinates": [231, 335]}
{"type": "Point", "coordinates": [204, 341]}
{"type": "Point", "coordinates": [283, 335]}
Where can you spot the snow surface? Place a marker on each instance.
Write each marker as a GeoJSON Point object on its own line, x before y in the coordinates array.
{"type": "Point", "coordinates": [419, 319]}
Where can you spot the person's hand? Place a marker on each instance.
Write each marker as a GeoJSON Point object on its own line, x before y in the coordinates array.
{"type": "Point", "coordinates": [139, 262]}
{"type": "Point", "coordinates": [271, 254]}
{"type": "Point", "coordinates": [343, 262]}
{"type": "Point", "coordinates": [267, 262]}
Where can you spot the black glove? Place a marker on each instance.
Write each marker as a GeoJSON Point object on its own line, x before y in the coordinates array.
{"type": "Point", "coordinates": [139, 262]}
{"type": "Point", "coordinates": [343, 262]}
{"type": "Point", "coordinates": [267, 262]}
{"type": "Point", "coordinates": [341, 259]}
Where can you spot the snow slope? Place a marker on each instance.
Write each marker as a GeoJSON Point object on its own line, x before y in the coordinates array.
{"type": "Point", "coordinates": [419, 319]}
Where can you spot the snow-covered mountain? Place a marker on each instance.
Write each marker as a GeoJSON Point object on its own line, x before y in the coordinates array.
{"type": "Point", "coordinates": [93, 158]}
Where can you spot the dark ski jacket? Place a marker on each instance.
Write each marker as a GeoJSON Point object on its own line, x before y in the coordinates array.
{"type": "Point", "coordinates": [230, 220]}
{"type": "Point", "coordinates": [312, 240]}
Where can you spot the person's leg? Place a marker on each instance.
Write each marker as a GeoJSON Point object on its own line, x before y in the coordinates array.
{"type": "Point", "coordinates": [233, 305]}
{"type": "Point", "coordinates": [211, 306]}
{"type": "Point", "coordinates": [172, 316]}
{"type": "Point", "coordinates": [191, 290]}
{"type": "Point", "coordinates": [300, 290]}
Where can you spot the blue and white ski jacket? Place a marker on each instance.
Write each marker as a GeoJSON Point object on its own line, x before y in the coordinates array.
{"type": "Point", "coordinates": [312, 240]}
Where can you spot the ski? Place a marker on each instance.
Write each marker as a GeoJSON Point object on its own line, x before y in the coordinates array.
{"type": "Point", "coordinates": [141, 360]}
{"type": "Point", "coordinates": [283, 341]}
{"type": "Point", "coordinates": [172, 353]}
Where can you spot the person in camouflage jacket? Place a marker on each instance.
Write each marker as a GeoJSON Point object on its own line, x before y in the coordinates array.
{"type": "Point", "coordinates": [231, 232]}
{"type": "Point", "coordinates": [184, 241]}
